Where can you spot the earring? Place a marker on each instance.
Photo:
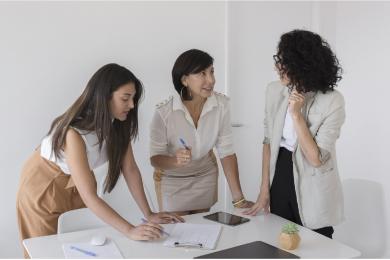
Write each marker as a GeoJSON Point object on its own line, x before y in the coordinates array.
{"type": "Point", "coordinates": [189, 94]}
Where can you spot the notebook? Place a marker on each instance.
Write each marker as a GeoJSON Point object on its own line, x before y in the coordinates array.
{"type": "Point", "coordinates": [83, 250]}
{"type": "Point", "coordinates": [257, 249]}
{"type": "Point", "coordinates": [194, 235]}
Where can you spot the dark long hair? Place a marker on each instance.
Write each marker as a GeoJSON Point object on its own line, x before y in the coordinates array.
{"type": "Point", "coordinates": [91, 112]}
{"type": "Point", "coordinates": [189, 62]}
{"type": "Point", "coordinates": [308, 61]}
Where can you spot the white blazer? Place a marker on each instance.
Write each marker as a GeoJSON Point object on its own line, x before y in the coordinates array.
{"type": "Point", "coordinates": [318, 190]}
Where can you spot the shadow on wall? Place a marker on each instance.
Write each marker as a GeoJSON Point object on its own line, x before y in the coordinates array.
{"type": "Point", "coordinates": [365, 223]}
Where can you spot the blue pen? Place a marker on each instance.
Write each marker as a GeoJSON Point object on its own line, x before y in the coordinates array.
{"type": "Point", "coordinates": [145, 221]}
{"type": "Point", "coordinates": [184, 143]}
{"type": "Point", "coordinates": [83, 251]}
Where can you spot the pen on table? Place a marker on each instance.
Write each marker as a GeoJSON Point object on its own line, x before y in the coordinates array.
{"type": "Point", "coordinates": [184, 143]}
{"type": "Point", "coordinates": [188, 244]}
{"type": "Point", "coordinates": [83, 251]}
{"type": "Point", "coordinates": [164, 232]}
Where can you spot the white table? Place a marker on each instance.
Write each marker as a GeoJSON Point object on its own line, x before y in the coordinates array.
{"type": "Point", "coordinates": [262, 227]}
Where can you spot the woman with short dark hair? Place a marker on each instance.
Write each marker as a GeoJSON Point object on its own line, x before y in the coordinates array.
{"type": "Point", "coordinates": [303, 118]}
{"type": "Point", "coordinates": [184, 131]}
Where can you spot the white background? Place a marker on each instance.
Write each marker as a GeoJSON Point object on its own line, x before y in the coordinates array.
{"type": "Point", "coordinates": [48, 51]}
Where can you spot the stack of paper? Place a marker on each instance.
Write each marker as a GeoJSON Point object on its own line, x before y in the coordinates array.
{"type": "Point", "coordinates": [86, 250]}
{"type": "Point", "coordinates": [194, 235]}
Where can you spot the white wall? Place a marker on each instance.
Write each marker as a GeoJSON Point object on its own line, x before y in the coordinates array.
{"type": "Point", "coordinates": [359, 34]}
{"type": "Point", "coordinates": [48, 51]}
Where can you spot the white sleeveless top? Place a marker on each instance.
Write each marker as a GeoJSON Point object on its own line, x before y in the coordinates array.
{"type": "Point", "coordinates": [96, 157]}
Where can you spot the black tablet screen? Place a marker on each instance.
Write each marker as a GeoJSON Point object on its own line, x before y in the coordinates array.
{"type": "Point", "coordinates": [226, 218]}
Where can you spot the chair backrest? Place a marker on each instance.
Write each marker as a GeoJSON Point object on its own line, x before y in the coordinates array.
{"type": "Point", "coordinates": [119, 199]}
{"type": "Point", "coordinates": [78, 219]}
{"type": "Point", "coordinates": [365, 223]}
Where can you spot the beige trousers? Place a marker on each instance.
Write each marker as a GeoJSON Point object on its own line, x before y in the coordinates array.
{"type": "Point", "coordinates": [44, 193]}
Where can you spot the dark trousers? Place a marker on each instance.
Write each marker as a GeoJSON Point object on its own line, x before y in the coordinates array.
{"type": "Point", "coordinates": [283, 199]}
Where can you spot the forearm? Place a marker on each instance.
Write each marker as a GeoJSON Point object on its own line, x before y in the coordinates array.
{"type": "Point", "coordinates": [230, 168]}
{"type": "Point", "coordinates": [136, 187]}
{"type": "Point", "coordinates": [306, 141]}
{"type": "Point", "coordinates": [107, 214]}
{"type": "Point", "coordinates": [164, 162]}
{"type": "Point", "coordinates": [265, 180]}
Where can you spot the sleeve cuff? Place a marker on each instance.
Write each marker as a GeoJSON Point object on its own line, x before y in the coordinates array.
{"type": "Point", "coordinates": [158, 150]}
{"type": "Point", "coordinates": [266, 140]}
{"type": "Point", "coordinates": [324, 155]}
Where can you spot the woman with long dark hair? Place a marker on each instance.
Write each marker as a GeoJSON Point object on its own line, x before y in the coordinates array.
{"type": "Point", "coordinates": [98, 127]}
{"type": "Point", "coordinates": [303, 119]}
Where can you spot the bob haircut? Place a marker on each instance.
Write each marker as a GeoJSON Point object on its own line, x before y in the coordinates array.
{"type": "Point", "coordinates": [189, 62]}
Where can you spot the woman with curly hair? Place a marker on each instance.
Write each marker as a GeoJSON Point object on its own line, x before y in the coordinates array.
{"type": "Point", "coordinates": [303, 118]}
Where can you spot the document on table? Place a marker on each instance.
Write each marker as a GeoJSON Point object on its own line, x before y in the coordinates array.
{"type": "Point", "coordinates": [194, 235]}
{"type": "Point", "coordinates": [88, 251]}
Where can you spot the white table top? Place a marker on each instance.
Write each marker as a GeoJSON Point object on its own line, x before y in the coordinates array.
{"type": "Point", "coordinates": [262, 227]}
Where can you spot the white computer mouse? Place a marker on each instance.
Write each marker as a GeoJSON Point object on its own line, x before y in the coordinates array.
{"type": "Point", "coordinates": [98, 240]}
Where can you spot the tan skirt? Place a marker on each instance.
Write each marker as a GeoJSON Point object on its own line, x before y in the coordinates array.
{"type": "Point", "coordinates": [44, 193]}
{"type": "Point", "coordinates": [192, 187]}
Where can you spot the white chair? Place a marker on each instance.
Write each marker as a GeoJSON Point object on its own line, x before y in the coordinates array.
{"type": "Point", "coordinates": [365, 224]}
{"type": "Point", "coordinates": [119, 199]}
{"type": "Point", "coordinates": [81, 219]}
{"type": "Point", "coordinates": [78, 219]}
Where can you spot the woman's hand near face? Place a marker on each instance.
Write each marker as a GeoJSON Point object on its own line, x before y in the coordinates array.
{"type": "Point", "coordinates": [295, 103]}
{"type": "Point", "coordinates": [183, 157]}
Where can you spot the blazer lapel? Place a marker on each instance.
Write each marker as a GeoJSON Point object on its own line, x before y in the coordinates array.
{"type": "Point", "coordinates": [280, 116]}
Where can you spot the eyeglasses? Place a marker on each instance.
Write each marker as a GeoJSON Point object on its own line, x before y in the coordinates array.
{"type": "Point", "coordinates": [276, 58]}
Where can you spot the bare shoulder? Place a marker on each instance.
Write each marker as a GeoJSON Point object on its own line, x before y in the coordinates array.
{"type": "Point", "coordinates": [74, 139]}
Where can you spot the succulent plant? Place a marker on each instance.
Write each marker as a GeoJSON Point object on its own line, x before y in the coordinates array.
{"type": "Point", "coordinates": [290, 228]}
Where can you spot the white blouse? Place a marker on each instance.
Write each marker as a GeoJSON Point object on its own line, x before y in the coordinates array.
{"type": "Point", "coordinates": [172, 121]}
{"type": "Point", "coordinates": [289, 137]}
{"type": "Point", "coordinates": [96, 157]}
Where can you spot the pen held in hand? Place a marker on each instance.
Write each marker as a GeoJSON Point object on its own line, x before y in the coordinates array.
{"type": "Point", "coordinates": [145, 221]}
{"type": "Point", "coordinates": [184, 144]}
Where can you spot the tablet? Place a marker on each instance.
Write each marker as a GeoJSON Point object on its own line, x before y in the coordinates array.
{"type": "Point", "coordinates": [226, 218]}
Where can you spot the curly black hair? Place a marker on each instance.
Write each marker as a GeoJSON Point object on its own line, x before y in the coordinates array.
{"type": "Point", "coordinates": [308, 62]}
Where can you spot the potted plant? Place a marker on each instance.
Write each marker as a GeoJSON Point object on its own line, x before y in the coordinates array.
{"type": "Point", "coordinates": [289, 238]}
